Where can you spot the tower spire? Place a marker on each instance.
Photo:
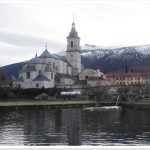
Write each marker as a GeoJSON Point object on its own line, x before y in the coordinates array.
{"type": "Point", "coordinates": [73, 50]}
{"type": "Point", "coordinates": [73, 33]}
{"type": "Point", "coordinates": [46, 46]}
{"type": "Point", "coordinates": [73, 24]}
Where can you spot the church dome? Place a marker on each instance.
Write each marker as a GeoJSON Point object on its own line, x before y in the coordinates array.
{"type": "Point", "coordinates": [45, 54]}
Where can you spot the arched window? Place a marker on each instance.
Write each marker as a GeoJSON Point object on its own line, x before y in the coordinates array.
{"type": "Point", "coordinates": [52, 76]}
{"type": "Point", "coordinates": [53, 66]}
{"type": "Point", "coordinates": [28, 75]}
{"type": "Point", "coordinates": [71, 43]}
{"type": "Point", "coordinates": [37, 85]}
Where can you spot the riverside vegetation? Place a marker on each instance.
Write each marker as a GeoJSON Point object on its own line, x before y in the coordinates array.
{"type": "Point", "coordinates": [100, 93]}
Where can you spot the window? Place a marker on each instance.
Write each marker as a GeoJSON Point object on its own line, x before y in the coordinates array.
{"type": "Point", "coordinates": [53, 65]}
{"type": "Point", "coordinates": [71, 43]}
{"type": "Point", "coordinates": [19, 85]}
{"type": "Point", "coordinates": [37, 85]}
{"type": "Point", "coordinates": [52, 76]}
{"type": "Point", "coordinates": [39, 71]}
{"type": "Point", "coordinates": [50, 65]}
{"type": "Point", "coordinates": [86, 77]}
{"type": "Point", "coordinates": [28, 75]}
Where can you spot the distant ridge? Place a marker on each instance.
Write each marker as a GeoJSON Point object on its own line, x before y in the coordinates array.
{"type": "Point", "coordinates": [12, 69]}
{"type": "Point", "coordinates": [136, 58]}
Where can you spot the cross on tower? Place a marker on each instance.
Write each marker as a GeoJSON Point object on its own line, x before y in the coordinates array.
{"type": "Point", "coordinates": [46, 46]}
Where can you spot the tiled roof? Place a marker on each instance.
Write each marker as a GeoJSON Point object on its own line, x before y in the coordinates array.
{"type": "Point", "coordinates": [41, 77]}
{"type": "Point", "coordinates": [59, 75]}
{"type": "Point", "coordinates": [96, 78]}
{"type": "Point", "coordinates": [63, 58]}
{"type": "Point", "coordinates": [73, 33]}
{"type": "Point", "coordinates": [30, 68]}
{"type": "Point", "coordinates": [87, 70]}
{"type": "Point", "coordinates": [133, 74]}
{"type": "Point", "coordinates": [20, 79]}
{"type": "Point", "coordinates": [45, 54]}
{"type": "Point", "coordinates": [17, 80]}
{"type": "Point", "coordinates": [35, 60]}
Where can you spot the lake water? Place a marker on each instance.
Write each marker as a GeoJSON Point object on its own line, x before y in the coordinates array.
{"type": "Point", "coordinates": [74, 126]}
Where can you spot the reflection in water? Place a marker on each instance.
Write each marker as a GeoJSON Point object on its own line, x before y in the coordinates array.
{"type": "Point", "coordinates": [71, 122]}
{"type": "Point", "coordinates": [11, 128]}
{"type": "Point", "coordinates": [73, 126]}
{"type": "Point", "coordinates": [126, 127]}
{"type": "Point", "coordinates": [42, 127]}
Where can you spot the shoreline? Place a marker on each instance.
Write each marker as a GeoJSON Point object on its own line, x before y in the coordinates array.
{"type": "Point", "coordinates": [70, 103]}
{"type": "Point", "coordinates": [46, 103]}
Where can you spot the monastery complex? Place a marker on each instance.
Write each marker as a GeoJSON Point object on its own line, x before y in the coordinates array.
{"type": "Point", "coordinates": [48, 71]}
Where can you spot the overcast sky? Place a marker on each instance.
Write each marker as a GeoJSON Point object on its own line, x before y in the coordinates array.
{"type": "Point", "coordinates": [25, 27]}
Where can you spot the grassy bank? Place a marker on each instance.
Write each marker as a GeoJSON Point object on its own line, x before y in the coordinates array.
{"type": "Point", "coordinates": [45, 103]}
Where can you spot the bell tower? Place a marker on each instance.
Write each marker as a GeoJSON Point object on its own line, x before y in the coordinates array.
{"type": "Point", "coordinates": [73, 50]}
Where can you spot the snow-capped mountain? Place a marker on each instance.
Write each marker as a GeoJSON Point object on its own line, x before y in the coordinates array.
{"type": "Point", "coordinates": [115, 52]}
{"type": "Point", "coordinates": [116, 59]}
{"type": "Point", "coordinates": [113, 58]}
{"type": "Point", "coordinates": [98, 51]}
{"type": "Point", "coordinates": [110, 59]}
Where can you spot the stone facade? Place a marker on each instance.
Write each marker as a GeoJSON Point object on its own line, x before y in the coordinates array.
{"type": "Point", "coordinates": [94, 78]}
{"type": "Point", "coordinates": [40, 72]}
{"type": "Point", "coordinates": [87, 73]}
{"type": "Point", "coordinates": [48, 71]}
{"type": "Point", "coordinates": [73, 50]}
{"type": "Point", "coordinates": [62, 80]}
{"type": "Point", "coordinates": [95, 82]}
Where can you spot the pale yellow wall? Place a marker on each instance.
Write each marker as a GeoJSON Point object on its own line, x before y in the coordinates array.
{"type": "Point", "coordinates": [131, 80]}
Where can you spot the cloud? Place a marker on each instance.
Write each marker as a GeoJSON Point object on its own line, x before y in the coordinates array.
{"type": "Point", "coordinates": [16, 47]}
{"type": "Point", "coordinates": [23, 40]}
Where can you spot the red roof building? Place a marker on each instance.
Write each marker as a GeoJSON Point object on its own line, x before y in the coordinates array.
{"type": "Point", "coordinates": [129, 78]}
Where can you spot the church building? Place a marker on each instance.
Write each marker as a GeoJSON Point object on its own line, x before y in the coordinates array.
{"type": "Point", "coordinates": [47, 71]}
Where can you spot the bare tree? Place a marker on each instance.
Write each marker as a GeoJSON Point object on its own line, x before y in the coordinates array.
{"type": "Point", "coordinates": [3, 81]}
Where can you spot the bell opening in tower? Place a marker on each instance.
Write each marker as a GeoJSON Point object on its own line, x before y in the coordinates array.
{"type": "Point", "coordinates": [71, 43]}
